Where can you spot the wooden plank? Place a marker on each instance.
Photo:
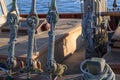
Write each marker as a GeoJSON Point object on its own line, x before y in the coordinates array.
{"type": "Point", "coordinates": [73, 61]}
{"type": "Point", "coordinates": [77, 15]}
{"type": "Point", "coordinates": [112, 13]}
{"type": "Point", "coordinates": [61, 15]}
{"type": "Point", "coordinates": [113, 59]}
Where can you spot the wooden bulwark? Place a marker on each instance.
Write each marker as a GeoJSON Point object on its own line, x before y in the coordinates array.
{"type": "Point", "coordinates": [76, 15]}
{"type": "Point", "coordinates": [61, 15]}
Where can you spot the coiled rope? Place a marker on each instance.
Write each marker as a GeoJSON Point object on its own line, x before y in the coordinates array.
{"type": "Point", "coordinates": [107, 73]}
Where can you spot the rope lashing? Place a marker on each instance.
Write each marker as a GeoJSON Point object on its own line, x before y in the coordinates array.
{"type": "Point", "coordinates": [52, 67]}
{"type": "Point", "coordinates": [96, 69]}
{"type": "Point", "coordinates": [12, 21]}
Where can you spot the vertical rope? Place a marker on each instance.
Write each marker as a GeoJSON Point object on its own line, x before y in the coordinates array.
{"type": "Point", "coordinates": [51, 19]}
{"type": "Point", "coordinates": [12, 20]}
{"type": "Point", "coordinates": [32, 21]}
{"type": "Point", "coordinates": [53, 69]}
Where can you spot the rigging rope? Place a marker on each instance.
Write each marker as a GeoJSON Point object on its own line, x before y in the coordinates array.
{"type": "Point", "coordinates": [52, 67]}
{"type": "Point", "coordinates": [32, 21]}
{"type": "Point", "coordinates": [33, 13]}
{"type": "Point", "coordinates": [12, 21]}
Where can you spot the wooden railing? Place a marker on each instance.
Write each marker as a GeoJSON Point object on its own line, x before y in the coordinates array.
{"type": "Point", "coordinates": [76, 15]}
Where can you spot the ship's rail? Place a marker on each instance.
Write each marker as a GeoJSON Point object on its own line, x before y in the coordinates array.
{"type": "Point", "coordinates": [77, 15]}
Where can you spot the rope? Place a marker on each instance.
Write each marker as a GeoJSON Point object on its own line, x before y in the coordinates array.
{"type": "Point", "coordinates": [53, 69]}
{"type": "Point", "coordinates": [107, 73]}
{"type": "Point", "coordinates": [33, 19]}
{"type": "Point", "coordinates": [60, 70]}
{"type": "Point", "coordinates": [15, 7]}
{"type": "Point", "coordinates": [51, 19]}
{"type": "Point", "coordinates": [111, 31]}
{"type": "Point", "coordinates": [52, 13]}
{"type": "Point", "coordinates": [33, 22]}
{"type": "Point", "coordinates": [6, 71]}
{"type": "Point", "coordinates": [12, 21]}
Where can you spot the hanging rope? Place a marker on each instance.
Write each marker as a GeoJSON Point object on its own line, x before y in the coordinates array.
{"type": "Point", "coordinates": [107, 73]}
{"type": "Point", "coordinates": [51, 19]}
{"type": "Point", "coordinates": [33, 13]}
{"type": "Point", "coordinates": [52, 67]}
{"type": "Point", "coordinates": [12, 21]}
{"type": "Point", "coordinates": [32, 21]}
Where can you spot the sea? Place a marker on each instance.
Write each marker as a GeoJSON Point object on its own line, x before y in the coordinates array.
{"type": "Point", "coordinates": [63, 6]}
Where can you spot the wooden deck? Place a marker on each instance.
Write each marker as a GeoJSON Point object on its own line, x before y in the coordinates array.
{"type": "Point", "coordinates": [65, 30]}
{"type": "Point", "coordinates": [113, 58]}
{"type": "Point", "coordinates": [68, 32]}
{"type": "Point", "coordinates": [73, 63]}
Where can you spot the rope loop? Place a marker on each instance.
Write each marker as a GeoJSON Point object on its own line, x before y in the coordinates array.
{"type": "Point", "coordinates": [52, 13]}
{"type": "Point", "coordinates": [12, 18]}
{"type": "Point", "coordinates": [33, 22]}
{"type": "Point", "coordinates": [107, 73]}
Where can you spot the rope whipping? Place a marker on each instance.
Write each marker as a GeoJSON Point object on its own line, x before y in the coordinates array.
{"type": "Point", "coordinates": [12, 21]}
{"type": "Point", "coordinates": [53, 69]}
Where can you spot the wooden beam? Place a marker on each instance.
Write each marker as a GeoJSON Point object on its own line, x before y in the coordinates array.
{"type": "Point", "coordinates": [61, 15]}
{"type": "Point", "coordinates": [110, 13]}
{"type": "Point", "coordinates": [75, 15]}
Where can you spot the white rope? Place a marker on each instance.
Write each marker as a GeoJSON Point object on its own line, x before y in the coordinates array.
{"type": "Point", "coordinates": [107, 74]}
{"type": "Point", "coordinates": [111, 31]}
{"type": "Point", "coordinates": [4, 70]}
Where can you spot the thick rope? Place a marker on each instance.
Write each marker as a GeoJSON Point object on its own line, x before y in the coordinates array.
{"type": "Point", "coordinates": [52, 67]}
{"type": "Point", "coordinates": [33, 13]}
{"type": "Point", "coordinates": [107, 73]}
{"type": "Point", "coordinates": [51, 19]}
{"type": "Point", "coordinates": [12, 21]}
{"type": "Point", "coordinates": [32, 21]}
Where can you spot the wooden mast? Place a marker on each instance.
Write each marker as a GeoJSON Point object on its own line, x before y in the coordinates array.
{"type": "Point", "coordinates": [94, 27]}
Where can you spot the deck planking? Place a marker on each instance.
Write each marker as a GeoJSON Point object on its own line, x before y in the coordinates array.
{"type": "Point", "coordinates": [66, 30]}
